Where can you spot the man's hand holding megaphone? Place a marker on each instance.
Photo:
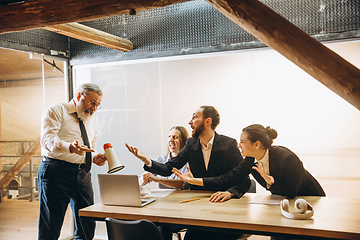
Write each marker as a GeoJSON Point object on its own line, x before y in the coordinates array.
{"type": "Point", "coordinates": [100, 159]}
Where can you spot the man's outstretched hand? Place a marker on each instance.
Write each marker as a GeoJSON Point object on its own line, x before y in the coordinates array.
{"type": "Point", "coordinates": [137, 153]}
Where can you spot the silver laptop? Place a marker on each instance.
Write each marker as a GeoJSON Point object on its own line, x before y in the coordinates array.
{"type": "Point", "coordinates": [121, 190]}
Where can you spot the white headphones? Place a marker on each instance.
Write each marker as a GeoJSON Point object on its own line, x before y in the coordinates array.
{"type": "Point", "coordinates": [301, 205]}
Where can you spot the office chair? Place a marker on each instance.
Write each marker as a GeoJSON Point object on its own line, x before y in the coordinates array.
{"type": "Point", "coordinates": [132, 230]}
{"type": "Point", "coordinates": [252, 188]}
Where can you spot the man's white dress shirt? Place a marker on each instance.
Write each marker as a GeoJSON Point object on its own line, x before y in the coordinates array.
{"type": "Point", "coordinates": [59, 128]}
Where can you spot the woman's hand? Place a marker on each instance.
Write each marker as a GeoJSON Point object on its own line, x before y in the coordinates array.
{"type": "Point", "coordinates": [268, 179]}
{"type": "Point", "coordinates": [148, 178]}
{"type": "Point", "coordinates": [221, 196]}
{"type": "Point", "coordinates": [140, 155]}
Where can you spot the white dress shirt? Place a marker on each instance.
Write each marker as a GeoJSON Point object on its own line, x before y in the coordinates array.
{"type": "Point", "coordinates": [264, 162]}
{"type": "Point", "coordinates": [206, 149]}
{"type": "Point", "coordinates": [59, 128]}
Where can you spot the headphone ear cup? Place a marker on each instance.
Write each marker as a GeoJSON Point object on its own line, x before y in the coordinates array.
{"type": "Point", "coordinates": [301, 205]}
{"type": "Point", "coordinates": [285, 205]}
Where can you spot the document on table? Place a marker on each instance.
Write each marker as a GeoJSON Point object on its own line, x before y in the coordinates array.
{"type": "Point", "coordinates": [267, 199]}
{"type": "Point", "coordinates": [154, 193]}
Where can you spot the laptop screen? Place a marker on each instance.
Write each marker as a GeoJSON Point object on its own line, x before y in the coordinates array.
{"type": "Point", "coordinates": [121, 190]}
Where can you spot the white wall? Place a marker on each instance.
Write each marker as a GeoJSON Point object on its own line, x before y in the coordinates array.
{"type": "Point", "coordinates": [143, 99]}
{"type": "Point", "coordinates": [21, 109]}
{"type": "Point", "coordinates": [24, 99]}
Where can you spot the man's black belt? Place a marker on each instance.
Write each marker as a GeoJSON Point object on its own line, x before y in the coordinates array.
{"type": "Point", "coordinates": [63, 163]}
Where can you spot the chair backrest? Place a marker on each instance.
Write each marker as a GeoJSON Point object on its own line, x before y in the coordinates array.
{"type": "Point", "coordinates": [252, 188]}
{"type": "Point", "coordinates": [132, 230]}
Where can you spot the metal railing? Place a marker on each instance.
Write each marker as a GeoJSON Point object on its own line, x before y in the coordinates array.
{"type": "Point", "coordinates": [26, 178]}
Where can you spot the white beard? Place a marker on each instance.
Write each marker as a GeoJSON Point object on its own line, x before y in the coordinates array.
{"type": "Point", "coordinates": [81, 112]}
{"type": "Point", "coordinates": [83, 117]}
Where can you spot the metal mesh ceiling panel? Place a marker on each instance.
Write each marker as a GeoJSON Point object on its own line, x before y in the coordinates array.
{"type": "Point", "coordinates": [37, 40]}
{"type": "Point", "coordinates": [196, 27]}
{"type": "Point", "coordinates": [190, 28]}
{"type": "Point", "coordinates": [319, 16]}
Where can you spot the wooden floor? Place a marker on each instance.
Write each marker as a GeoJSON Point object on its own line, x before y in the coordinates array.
{"type": "Point", "coordinates": [19, 220]}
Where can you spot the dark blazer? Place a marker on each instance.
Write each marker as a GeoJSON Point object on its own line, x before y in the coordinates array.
{"type": "Point", "coordinates": [291, 178]}
{"type": "Point", "coordinates": [224, 156]}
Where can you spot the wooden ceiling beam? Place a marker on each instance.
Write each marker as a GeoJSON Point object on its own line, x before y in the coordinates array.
{"type": "Point", "coordinates": [43, 13]}
{"type": "Point", "coordinates": [88, 34]}
{"type": "Point", "coordinates": [310, 55]}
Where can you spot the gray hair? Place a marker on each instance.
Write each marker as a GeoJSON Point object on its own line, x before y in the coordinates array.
{"type": "Point", "coordinates": [88, 87]}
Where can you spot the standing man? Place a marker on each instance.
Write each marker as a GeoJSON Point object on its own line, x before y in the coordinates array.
{"type": "Point", "coordinates": [208, 154]}
{"type": "Point", "coordinates": [68, 136]}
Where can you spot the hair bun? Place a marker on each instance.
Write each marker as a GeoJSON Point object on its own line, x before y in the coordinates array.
{"type": "Point", "coordinates": [271, 132]}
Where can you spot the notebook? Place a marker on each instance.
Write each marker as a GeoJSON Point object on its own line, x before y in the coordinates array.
{"type": "Point", "coordinates": [121, 190]}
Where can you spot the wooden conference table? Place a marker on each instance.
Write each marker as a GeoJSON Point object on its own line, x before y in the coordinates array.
{"type": "Point", "coordinates": [337, 218]}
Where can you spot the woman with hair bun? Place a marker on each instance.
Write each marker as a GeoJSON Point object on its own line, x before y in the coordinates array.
{"type": "Point", "coordinates": [276, 168]}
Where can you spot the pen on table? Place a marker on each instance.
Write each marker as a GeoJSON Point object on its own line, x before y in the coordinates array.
{"type": "Point", "coordinates": [190, 200]}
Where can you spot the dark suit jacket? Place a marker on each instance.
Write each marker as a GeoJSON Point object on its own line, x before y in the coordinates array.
{"type": "Point", "coordinates": [224, 156]}
{"type": "Point", "coordinates": [291, 178]}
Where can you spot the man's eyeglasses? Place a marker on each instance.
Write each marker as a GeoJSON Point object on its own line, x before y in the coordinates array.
{"type": "Point", "coordinates": [92, 103]}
